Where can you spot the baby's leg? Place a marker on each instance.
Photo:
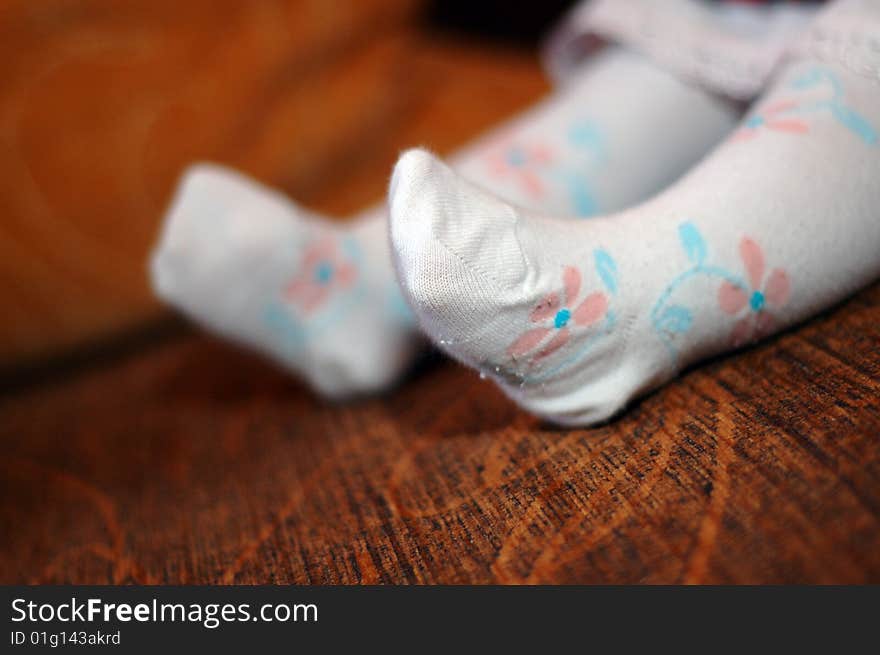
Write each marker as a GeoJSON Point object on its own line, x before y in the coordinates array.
{"type": "Point", "coordinates": [574, 319]}
{"type": "Point", "coordinates": [321, 297]}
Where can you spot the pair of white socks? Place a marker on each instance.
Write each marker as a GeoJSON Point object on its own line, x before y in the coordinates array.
{"type": "Point", "coordinates": [572, 318]}
{"type": "Point", "coordinates": [321, 296]}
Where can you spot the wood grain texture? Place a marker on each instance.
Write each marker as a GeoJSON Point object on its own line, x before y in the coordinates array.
{"type": "Point", "coordinates": [190, 462]}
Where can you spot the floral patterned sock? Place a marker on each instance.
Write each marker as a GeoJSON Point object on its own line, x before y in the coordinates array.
{"type": "Point", "coordinates": [316, 296]}
{"type": "Point", "coordinates": [322, 298]}
{"type": "Point", "coordinates": [575, 319]}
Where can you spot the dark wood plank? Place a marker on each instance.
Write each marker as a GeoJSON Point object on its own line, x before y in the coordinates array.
{"type": "Point", "coordinates": [191, 462]}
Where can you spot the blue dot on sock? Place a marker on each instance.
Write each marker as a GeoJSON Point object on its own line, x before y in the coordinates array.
{"type": "Point", "coordinates": [323, 272]}
{"type": "Point", "coordinates": [756, 302]}
{"type": "Point", "coordinates": [562, 317]}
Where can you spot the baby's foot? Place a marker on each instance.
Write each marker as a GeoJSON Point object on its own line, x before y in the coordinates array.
{"type": "Point", "coordinates": [535, 303]}
{"type": "Point", "coordinates": [319, 297]}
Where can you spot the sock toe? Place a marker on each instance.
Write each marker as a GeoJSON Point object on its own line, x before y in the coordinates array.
{"type": "Point", "coordinates": [456, 249]}
{"type": "Point", "coordinates": [219, 224]}
{"type": "Point", "coordinates": [429, 203]}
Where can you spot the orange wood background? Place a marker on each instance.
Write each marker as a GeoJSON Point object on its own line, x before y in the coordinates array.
{"type": "Point", "coordinates": [103, 103]}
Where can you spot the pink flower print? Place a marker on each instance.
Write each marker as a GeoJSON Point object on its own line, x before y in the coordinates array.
{"type": "Point", "coordinates": [322, 272]}
{"type": "Point", "coordinates": [758, 321]}
{"type": "Point", "coordinates": [554, 310]}
{"type": "Point", "coordinates": [771, 118]}
{"type": "Point", "coordinates": [518, 161]}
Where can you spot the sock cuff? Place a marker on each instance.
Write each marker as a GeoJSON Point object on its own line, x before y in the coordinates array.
{"type": "Point", "coordinates": [731, 49]}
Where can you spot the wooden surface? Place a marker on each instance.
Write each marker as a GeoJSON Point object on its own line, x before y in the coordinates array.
{"type": "Point", "coordinates": [189, 462]}
{"type": "Point", "coordinates": [166, 456]}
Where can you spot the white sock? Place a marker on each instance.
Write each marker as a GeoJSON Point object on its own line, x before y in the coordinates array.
{"type": "Point", "coordinates": [314, 295]}
{"type": "Point", "coordinates": [322, 298]}
{"type": "Point", "coordinates": [617, 132]}
{"type": "Point", "coordinates": [575, 319]}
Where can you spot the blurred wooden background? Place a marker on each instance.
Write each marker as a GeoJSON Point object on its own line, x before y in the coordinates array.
{"type": "Point", "coordinates": [102, 105]}
{"type": "Point", "coordinates": [172, 457]}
